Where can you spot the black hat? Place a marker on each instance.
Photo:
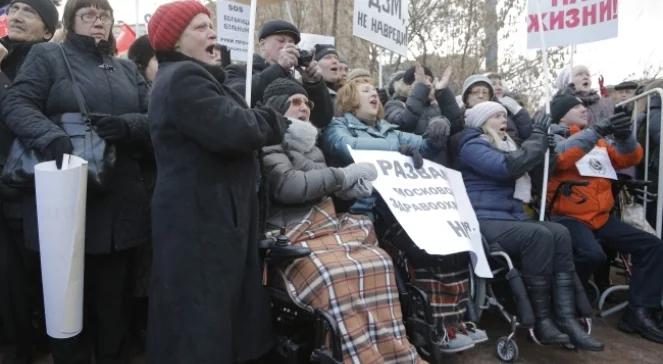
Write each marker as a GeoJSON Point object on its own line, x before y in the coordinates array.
{"type": "Point", "coordinates": [141, 51]}
{"type": "Point", "coordinates": [279, 27]}
{"type": "Point", "coordinates": [561, 104]}
{"type": "Point", "coordinates": [627, 85]}
{"type": "Point", "coordinates": [46, 10]}
{"type": "Point", "coordinates": [408, 76]}
{"type": "Point", "coordinates": [322, 50]}
{"type": "Point", "coordinates": [279, 91]}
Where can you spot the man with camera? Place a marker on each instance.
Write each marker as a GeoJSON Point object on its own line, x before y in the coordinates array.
{"type": "Point", "coordinates": [278, 57]}
{"type": "Point", "coordinates": [584, 153]}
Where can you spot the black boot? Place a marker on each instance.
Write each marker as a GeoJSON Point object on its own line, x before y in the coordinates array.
{"type": "Point", "coordinates": [643, 321]}
{"type": "Point", "coordinates": [564, 300]}
{"type": "Point", "coordinates": [546, 331]}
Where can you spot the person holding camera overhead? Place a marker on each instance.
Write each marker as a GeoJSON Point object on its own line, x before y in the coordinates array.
{"type": "Point", "coordinates": [582, 151]}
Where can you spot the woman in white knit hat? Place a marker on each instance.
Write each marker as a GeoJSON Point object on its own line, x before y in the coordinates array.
{"type": "Point", "coordinates": [495, 172]}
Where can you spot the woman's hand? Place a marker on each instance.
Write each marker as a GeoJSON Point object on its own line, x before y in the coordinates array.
{"type": "Point", "coordinates": [443, 82]}
{"type": "Point", "coordinates": [412, 151]}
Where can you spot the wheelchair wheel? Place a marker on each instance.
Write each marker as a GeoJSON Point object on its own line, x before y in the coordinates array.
{"type": "Point", "coordinates": [507, 349]}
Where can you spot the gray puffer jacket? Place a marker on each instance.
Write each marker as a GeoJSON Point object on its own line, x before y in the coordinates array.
{"type": "Point", "coordinates": [297, 175]}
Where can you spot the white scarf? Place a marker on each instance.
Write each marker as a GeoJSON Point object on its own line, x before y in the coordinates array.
{"type": "Point", "coordinates": [523, 187]}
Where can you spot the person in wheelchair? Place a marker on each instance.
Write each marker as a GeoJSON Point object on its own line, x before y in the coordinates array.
{"type": "Point", "coordinates": [443, 279]}
{"type": "Point", "coordinates": [584, 154]}
{"type": "Point", "coordinates": [495, 172]}
{"type": "Point", "coordinates": [346, 275]}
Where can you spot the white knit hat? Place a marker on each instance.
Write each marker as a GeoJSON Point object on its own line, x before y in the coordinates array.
{"type": "Point", "coordinates": [480, 113]}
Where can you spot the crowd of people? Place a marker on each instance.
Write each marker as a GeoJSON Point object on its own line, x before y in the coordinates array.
{"type": "Point", "coordinates": [200, 177]}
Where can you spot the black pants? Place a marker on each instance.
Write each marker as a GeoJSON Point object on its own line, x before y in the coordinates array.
{"type": "Point", "coordinates": [21, 288]}
{"type": "Point", "coordinates": [646, 251]}
{"type": "Point", "coordinates": [108, 293]}
{"type": "Point", "coordinates": [543, 248]}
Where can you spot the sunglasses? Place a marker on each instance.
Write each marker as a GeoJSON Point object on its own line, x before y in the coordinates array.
{"type": "Point", "coordinates": [298, 101]}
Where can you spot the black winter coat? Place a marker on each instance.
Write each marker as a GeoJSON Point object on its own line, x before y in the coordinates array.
{"type": "Point", "coordinates": [207, 304]}
{"type": "Point", "coordinates": [117, 219]}
{"type": "Point", "coordinates": [263, 74]}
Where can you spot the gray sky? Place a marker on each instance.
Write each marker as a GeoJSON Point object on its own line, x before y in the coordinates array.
{"type": "Point", "coordinates": [637, 47]}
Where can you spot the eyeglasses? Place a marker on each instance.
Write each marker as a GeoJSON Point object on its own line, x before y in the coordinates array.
{"type": "Point", "coordinates": [91, 18]}
{"type": "Point", "coordinates": [298, 101]}
{"type": "Point", "coordinates": [28, 12]}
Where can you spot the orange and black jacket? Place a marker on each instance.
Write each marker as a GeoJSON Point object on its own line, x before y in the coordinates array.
{"type": "Point", "coordinates": [590, 204]}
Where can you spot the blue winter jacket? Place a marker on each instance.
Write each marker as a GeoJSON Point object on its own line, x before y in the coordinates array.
{"type": "Point", "coordinates": [489, 180]}
{"type": "Point", "coordinates": [348, 130]}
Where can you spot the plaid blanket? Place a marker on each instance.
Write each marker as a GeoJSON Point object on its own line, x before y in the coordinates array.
{"type": "Point", "coordinates": [350, 278]}
{"type": "Point", "coordinates": [444, 279]}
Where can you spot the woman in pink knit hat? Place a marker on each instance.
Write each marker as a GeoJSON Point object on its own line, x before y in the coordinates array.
{"type": "Point", "coordinates": [207, 304]}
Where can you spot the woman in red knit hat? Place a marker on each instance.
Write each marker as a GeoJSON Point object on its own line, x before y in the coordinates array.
{"type": "Point", "coordinates": [207, 304]}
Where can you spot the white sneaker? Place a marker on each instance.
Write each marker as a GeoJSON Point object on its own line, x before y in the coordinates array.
{"type": "Point", "coordinates": [455, 342]}
{"type": "Point", "coordinates": [476, 334]}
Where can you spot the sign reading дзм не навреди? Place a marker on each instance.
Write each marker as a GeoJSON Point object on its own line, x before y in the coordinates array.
{"type": "Point", "coordinates": [566, 22]}
{"type": "Point", "coordinates": [383, 22]}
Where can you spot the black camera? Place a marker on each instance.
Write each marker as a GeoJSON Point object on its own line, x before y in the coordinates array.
{"type": "Point", "coordinates": [305, 58]}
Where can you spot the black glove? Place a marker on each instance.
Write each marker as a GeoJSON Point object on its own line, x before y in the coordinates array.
{"type": "Point", "coordinates": [621, 125]}
{"type": "Point", "coordinates": [112, 128]}
{"type": "Point", "coordinates": [412, 151]}
{"type": "Point", "coordinates": [56, 149]}
{"type": "Point", "coordinates": [552, 144]}
{"type": "Point", "coordinates": [437, 132]}
{"type": "Point", "coordinates": [602, 127]}
{"type": "Point", "coordinates": [542, 123]}
{"type": "Point", "coordinates": [277, 123]}
{"type": "Point", "coordinates": [382, 94]}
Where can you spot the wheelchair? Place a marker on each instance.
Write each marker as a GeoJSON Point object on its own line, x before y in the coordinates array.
{"type": "Point", "coordinates": [601, 285]}
{"type": "Point", "coordinates": [302, 335]}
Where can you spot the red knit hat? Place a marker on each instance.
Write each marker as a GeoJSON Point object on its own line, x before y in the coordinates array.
{"type": "Point", "coordinates": [169, 21]}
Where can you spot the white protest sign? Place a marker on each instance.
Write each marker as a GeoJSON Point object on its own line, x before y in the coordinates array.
{"type": "Point", "coordinates": [383, 22]}
{"type": "Point", "coordinates": [431, 205]}
{"type": "Point", "coordinates": [596, 163]}
{"type": "Point", "coordinates": [309, 40]}
{"type": "Point", "coordinates": [61, 197]}
{"type": "Point", "coordinates": [233, 23]}
{"type": "Point", "coordinates": [566, 22]}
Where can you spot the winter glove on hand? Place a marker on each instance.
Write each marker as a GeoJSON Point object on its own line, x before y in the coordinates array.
{"type": "Point", "coordinates": [621, 126]}
{"type": "Point", "coordinates": [412, 151]}
{"type": "Point", "coordinates": [112, 128]}
{"type": "Point", "coordinates": [552, 144]}
{"type": "Point", "coordinates": [277, 123]}
{"type": "Point", "coordinates": [512, 105]}
{"type": "Point", "coordinates": [437, 132]}
{"type": "Point", "coordinates": [356, 171]}
{"type": "Point", "coordinates": [602, 127]}
{"type": "Point", "coordinates": [542, 123]}
{"type": "Point", "coordinates": [362, 188]}
{"type": "Point", "coordinates": [56, 149]}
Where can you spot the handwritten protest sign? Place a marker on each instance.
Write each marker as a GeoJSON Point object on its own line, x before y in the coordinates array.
{"type": "Point", "coordinates": [431, 205]}
{"type": "Point", "coordinates": [383, 22]}
{"type": "Point", "coordinates": [233, 23]}
{"type": "Point", "coordinates": [565, 22]}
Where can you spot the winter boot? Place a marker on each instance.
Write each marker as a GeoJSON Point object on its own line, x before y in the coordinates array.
{"type": "Point", "coordinates": [538, 288]}
{"type": "Point", "coordinates": [564, 300]}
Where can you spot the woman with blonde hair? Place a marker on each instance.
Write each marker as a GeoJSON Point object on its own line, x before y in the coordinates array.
{"type": "Point", "coordinates": [443, 278]}
{"type": "Point", "coordinates": [495, 171]}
